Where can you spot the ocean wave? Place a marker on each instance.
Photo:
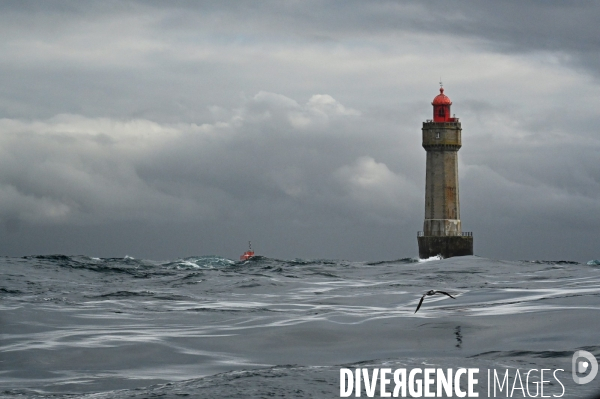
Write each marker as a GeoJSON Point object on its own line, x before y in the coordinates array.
{"type": "Point", "coordinates": [74, 325]}
{"type": "Point", "coordinates": [515, 354]}
{"type": "Point", "coordinates": [552, 262]}
{"type": "Point", "coordinates": [594, 262]}
{"type": "Point", "coordinates": [431, 258]}
{"type": "Point", "coordinates": [394, 262]}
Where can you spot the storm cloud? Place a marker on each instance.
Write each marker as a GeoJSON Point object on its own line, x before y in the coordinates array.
{"type": "Point", "coordinates": [162, 130]}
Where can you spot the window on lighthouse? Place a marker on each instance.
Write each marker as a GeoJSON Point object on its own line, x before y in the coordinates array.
{"type": "Point", "coordinates": [441, 112]}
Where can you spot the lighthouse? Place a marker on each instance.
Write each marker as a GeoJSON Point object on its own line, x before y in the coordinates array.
{"type": "Point", "coordinates": [442, 231]}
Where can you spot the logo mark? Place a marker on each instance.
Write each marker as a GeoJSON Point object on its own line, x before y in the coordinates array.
{"type": "Point", "coordinates": [581, 362]}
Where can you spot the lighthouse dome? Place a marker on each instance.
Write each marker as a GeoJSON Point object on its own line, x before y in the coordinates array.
{"type": "Point", "coordinates": [441, 99]}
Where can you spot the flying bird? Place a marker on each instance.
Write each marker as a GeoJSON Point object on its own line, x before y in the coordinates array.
{"type": "Point", "coordinates": [429, 293]}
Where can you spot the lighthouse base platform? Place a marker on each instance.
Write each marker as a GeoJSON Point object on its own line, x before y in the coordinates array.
{"type": "Point", "coordinates": [446, 246]}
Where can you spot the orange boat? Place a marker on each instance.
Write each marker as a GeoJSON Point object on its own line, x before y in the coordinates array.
{"type": "Point", "coordinates": [248, 254]}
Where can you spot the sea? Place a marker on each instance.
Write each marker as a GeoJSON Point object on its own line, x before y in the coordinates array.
{"type": "Point", "coordinates": [210, 327]}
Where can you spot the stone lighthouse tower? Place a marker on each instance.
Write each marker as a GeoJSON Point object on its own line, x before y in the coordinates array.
{"type": "Point", "coordinates": [442, 233]}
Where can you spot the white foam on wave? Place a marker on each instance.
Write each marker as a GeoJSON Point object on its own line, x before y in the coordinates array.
{"type": "Point", "coordinates": [187, 263]}
{"type": "Point", "coordinates": [594, 262]}
{"type": "Point", "coordinates": [436, 257]}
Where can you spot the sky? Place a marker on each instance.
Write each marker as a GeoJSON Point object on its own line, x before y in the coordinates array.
{"type": "Point", "coordinates": [162, 130]}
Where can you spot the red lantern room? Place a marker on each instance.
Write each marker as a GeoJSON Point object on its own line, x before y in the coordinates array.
{"type": "Point", "coordinates": [441, 108]}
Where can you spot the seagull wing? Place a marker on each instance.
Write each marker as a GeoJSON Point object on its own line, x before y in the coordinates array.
{"type": "Point", "coordinates": [445, 293]}
{"type": "Point", "coordinates": [420, 302]}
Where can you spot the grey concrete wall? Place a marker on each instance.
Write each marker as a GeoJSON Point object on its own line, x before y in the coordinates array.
{"type": "Point", "coordinates": [447, 247]}
{"type": "Point", "coordinates": [442, 205]}
{"type": "Point", "coordinates": [449, 134]}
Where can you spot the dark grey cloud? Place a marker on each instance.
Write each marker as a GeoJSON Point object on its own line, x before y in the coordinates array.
{"type": "Point", "coordinates": [273, 161]}
{"type": "Point", "coordinates": [161, 130]}
{"type": "Point", "coordinates": [511, 26]}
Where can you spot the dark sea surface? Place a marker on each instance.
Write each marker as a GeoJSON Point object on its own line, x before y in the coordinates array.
{"type": "Point", "coordinates": [208, 327]}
